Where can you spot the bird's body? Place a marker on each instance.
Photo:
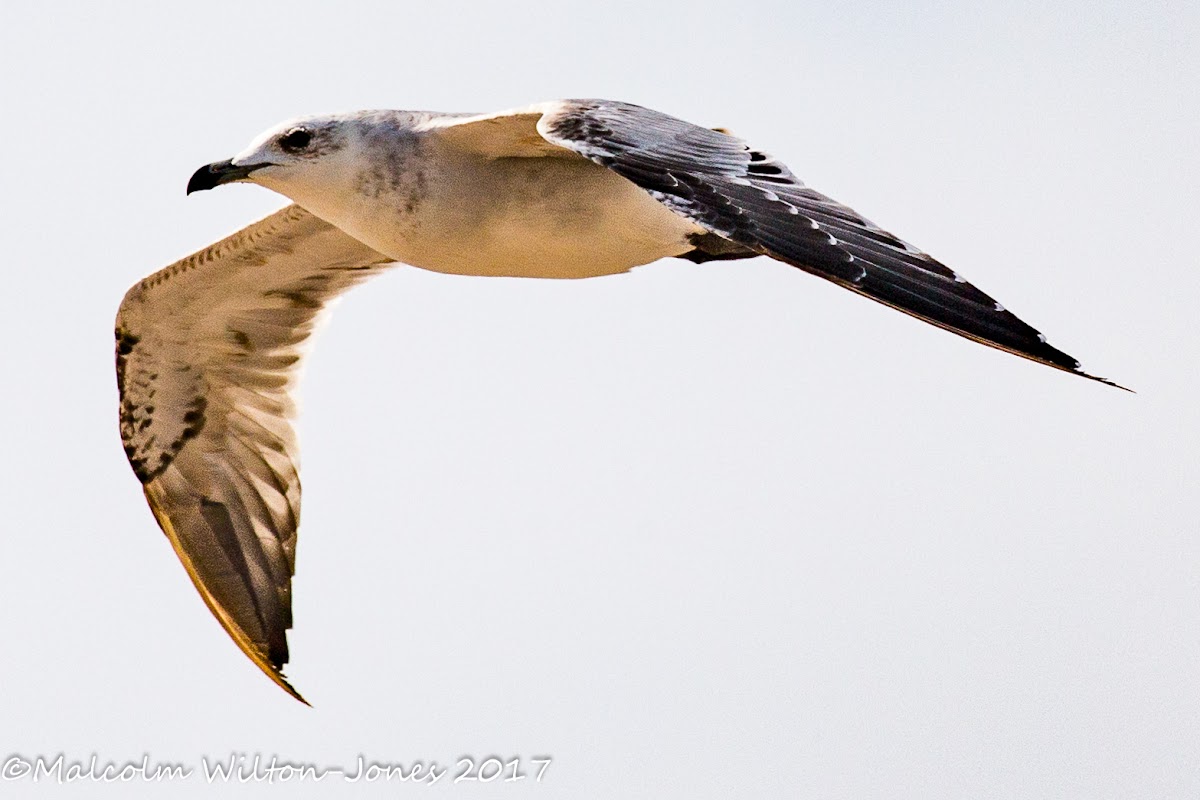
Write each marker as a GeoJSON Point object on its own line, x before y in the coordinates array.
{"type": "Point", "coordinates": [207, 348]}
{"type": "Point", "coordinates": [530, 217]}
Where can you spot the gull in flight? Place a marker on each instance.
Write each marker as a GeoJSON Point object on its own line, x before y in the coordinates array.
{"type": "Point", "coordinates": [208, 348]}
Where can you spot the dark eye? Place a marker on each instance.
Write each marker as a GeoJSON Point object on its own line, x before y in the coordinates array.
{"type": "Point", "coordinates": [295, 140]}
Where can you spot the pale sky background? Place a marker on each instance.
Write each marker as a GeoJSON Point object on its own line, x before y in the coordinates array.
{"type": "Point", "coordinates": [695, 531]}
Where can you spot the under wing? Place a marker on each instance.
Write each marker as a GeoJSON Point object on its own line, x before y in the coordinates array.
{"type": "Point", "coordinates": [208, 350]}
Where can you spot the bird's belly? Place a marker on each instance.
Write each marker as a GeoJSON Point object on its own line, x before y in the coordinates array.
{"type": "Point", "coordinates": [532, 246]}
{"type": "Point", "coordinates": [533, 218]}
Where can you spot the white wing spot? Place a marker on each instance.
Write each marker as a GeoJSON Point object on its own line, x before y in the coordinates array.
{"type": "Point", "coordinates": [1000, 307]}
{"type": "Point", "coordinates": [833, 240]}
{"type": "Point", "coordinates": [959, 278]}
{"type": "Point", "coordinates": [1041, 338]}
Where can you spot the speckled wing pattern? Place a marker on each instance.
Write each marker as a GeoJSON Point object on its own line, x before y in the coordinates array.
{"type": "Point", "coordinates": [749, 198]}
{"type": "Point", "coordinates": [208, 350]}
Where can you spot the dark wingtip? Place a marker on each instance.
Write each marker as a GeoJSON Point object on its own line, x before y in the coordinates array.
{"type": "Point", "coordinates": [276, 675]}
{"type": "Point", "coordinates": [298, 696]}
{"type": "Point", "coordinates": [1105, 381]}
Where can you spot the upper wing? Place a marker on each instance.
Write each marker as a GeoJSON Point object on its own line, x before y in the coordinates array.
{"type": "Point", "coordinates": [207, 351]}
{"type": "Point", "coordinates": [749, 198]}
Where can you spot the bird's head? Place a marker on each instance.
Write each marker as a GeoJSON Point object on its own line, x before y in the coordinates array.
{"type": "Point", "coordinates": [297, 153]}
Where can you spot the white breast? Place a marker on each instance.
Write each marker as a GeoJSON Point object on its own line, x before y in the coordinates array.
{"type": "Point", "coordinates": [520, 217]}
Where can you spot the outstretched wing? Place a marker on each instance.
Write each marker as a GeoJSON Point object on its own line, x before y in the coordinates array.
{"type": "Point", "coordinates": [746, 197]}
{"type": "Point", "coordinates": [208, 350]}
{"type": "Point", "coordinates": [750, 198]}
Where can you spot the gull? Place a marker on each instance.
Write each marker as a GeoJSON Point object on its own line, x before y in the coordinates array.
{"type": "Point", "coordinates": [208, 348]}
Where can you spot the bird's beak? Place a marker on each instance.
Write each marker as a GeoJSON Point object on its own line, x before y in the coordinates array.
{"type": "Point", "coordinates": [212, 175]}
